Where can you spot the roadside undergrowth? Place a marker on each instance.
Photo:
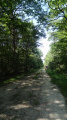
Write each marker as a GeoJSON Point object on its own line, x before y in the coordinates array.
{"type": "Point", "coordinates": [60, 80]}
{"type": "Point", "coordinates": [16, 78]}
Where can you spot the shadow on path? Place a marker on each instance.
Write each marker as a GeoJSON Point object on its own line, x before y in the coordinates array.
{"type": "Point", "coordinates": [32, 98]}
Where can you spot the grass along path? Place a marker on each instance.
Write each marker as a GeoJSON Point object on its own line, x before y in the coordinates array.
{"type": "Point", "coordinates": [60, 80]}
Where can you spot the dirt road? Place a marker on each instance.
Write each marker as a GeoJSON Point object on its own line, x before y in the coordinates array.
{"type": "Point", "coordinates": [32, 98]}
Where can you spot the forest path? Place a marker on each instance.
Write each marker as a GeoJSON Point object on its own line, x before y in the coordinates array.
{"type": "Point", "coordinates": [32, 98]}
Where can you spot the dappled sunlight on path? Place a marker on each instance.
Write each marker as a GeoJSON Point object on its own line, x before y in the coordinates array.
{"type": "Point", "coordinates": [32, 98]}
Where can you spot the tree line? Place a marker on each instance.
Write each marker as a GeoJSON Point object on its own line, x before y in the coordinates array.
{"type": "Point", "coordinates": [56, 58]}
{"type": "Point", "coordinates": [19, 37]}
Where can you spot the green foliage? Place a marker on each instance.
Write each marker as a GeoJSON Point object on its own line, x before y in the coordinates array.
{"type": "Point", "coordinates": [57, 9]}
{"type": "Point", "coordinates": [60, 80]}
{"type": "Point", "coordinates": [18, 37]}
{"type": "Point", "coordinates": [57, 58]}
{"type": "Point", "coordinates": [58, 50]}
{"type": "Point", "coordinates": [22, 57]}
{"type": "Point", "coordinates": [48, 58]}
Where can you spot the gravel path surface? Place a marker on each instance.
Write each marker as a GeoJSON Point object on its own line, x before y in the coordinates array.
{"type": "Point", "coordinates": [32, 98]}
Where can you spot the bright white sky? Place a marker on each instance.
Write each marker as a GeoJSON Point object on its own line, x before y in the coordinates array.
{"type": "Point", "coordinates": [45, 45]}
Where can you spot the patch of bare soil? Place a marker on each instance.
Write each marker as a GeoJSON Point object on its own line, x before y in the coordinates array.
{"type": "Point", "coordinates": [32, 98]}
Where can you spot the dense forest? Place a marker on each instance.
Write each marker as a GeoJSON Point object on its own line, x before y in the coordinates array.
{"type": "Point", "coordinates": [19, 37]}
{"type": "Point", "coordinates": [56, 58]}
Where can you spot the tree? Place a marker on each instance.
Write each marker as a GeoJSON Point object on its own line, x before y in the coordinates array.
{"type": "Point", "coordinates": [58, 51]}
{"type": "Point", "coordinates": [57, 22]}
{"type": "Point", "coordinates": [27, 35]}
{"type": "Point", "coordinates": [28, 42]}
{"type": "Point", "coordinates": [57, 9]}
